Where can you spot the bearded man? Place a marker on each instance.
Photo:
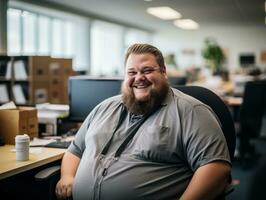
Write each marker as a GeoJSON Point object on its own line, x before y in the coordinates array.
{"type": "Point", "coordinates": [152, 142]}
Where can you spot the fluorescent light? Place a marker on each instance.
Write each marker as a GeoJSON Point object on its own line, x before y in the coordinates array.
{"type": "Point", "coordinates": [187, 24]}
{"type": "Point", "coordinates": [165, 13]}
{"type": "Point", "coordinates": [265, 6]}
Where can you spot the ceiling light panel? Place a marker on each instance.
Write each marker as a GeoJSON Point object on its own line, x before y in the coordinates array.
{"type": "Point", "coordinates": [187, 24]}
{"type": "Point", "coordinates": [165, 13]}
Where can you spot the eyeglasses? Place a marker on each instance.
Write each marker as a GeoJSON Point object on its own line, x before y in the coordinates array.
{"type": "Point", "coordinates": [143, 71]}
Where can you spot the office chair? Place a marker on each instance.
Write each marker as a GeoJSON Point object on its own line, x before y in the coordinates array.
{"type": "Point", "coordinates": [211, 99]}
{"type": "Point", "coordinates": [204, 95]}
{"type": "Point", "coordinates": [250, 117]}
{"type": "Point", "coordinates": [220, 109]}
{"type": "Point", "coordinates": [48, 178]}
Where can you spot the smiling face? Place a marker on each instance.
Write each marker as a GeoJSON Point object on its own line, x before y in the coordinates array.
{"type": "Point", "coordinates": [143, 75]}
{"type": "Point", "coordinates": [145, 83]}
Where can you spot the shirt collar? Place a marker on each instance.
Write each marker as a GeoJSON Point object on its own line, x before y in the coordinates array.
{"type": "Point", "coordinates": [168, 97]}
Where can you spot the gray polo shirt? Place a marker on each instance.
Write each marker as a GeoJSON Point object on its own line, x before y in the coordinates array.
{"type": "Point", "coordinates": [159, 161]}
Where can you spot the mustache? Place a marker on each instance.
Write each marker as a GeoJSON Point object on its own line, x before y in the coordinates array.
{"type": "Point", "coordinates": [140, 83]}
{"type": "Point", "coordinates": [143, 107]}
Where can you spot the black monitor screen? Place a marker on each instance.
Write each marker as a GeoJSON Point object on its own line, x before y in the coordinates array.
{"type": "Point", "coordinates": [87, 92]}
{"type": "Point", "coordinates": [247, 59]}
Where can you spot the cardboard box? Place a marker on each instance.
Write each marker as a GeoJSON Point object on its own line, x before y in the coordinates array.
{"type": "Point", "coordinates": [39, 92]}
{"type": "Point", "coordinates": [39, 67]}
{"type": "Point", "coordinates": [22, 120]}
{"type": "Point", "coordinates": [60, 67]}
{"type": "Point", "coordinates": [56, 95]}
{"type": "Point", "coordinates": [55, 68]}
{"type": "Point", "coordinates": [65, 92]}
{"type": "Point", "coordinates": [67, 67]}
{"type": "Point", "coordinates": [58, 90]}
{"type": "Point", "coordinates": [56, 82]}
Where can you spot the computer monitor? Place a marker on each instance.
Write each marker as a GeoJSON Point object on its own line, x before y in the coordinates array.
{"type": "Point", "coordinates": [247, 60]}
{"type": "Point", "coordinates": [87, 92]}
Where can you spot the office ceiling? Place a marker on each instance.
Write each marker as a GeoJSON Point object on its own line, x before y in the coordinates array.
{"type": "Point", "coordinates": [207, 13]}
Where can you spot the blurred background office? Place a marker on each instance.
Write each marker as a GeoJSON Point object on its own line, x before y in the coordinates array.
{"type": "Point", "coordinates": [216, 44]}
{"type": "Point", "coordinates": [89, 30]}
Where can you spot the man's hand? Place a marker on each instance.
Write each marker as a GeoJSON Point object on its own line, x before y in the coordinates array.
{"type": "Point", "coordinates": [69, 167]}
{"type": "Point", "coordinates": [64, 187]}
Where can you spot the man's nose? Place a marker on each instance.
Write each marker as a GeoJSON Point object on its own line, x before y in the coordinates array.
{"type": "Point", "coordinates": [140, 76]}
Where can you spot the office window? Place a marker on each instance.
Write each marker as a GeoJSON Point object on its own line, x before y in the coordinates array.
{"type": "Point", "coordinates": [14, 32]}
{"type": "Point", "coordinates": [44, 36]}
{"type": "Point", "coordinates": [36, 34]}
{"type": "Point", "coordinates": [81, 44]}
{"type": "Point", "coordinates": [106, 49]}
{"type": "Point", "coordinates": [69, 39]}
{"type": "Point", "coordinates": [62, 38]}
{"type": "Point", "coordinates": [136, 36]}
{"type": "Point", "coordinates": [96, 47]}
{"type": "Point", "coordinates": [28, 33]}
{"type": "Point", "coordinates": [57, 38]}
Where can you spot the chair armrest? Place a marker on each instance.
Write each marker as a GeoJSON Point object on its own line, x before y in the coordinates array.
{"type": "Point", "coordinates": [47, 173]}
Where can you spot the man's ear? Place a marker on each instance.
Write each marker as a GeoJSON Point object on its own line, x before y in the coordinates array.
{"type": "Point", "coordinates": [164, 73]}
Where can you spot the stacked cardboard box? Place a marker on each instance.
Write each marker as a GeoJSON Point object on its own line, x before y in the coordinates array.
{"type": "Point", "coordinates": [59, 72]}
{"type": "Point", "coordinates": [39, 91]}
{"type": "Point", "coordinates": [49, 79]}
{"type": "Point", "coordinates": [22, 120]}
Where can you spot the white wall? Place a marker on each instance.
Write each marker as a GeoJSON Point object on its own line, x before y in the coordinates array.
{"type": "Point", "coordinates": [234, 40]}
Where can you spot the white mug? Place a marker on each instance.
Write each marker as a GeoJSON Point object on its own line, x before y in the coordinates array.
{"type": "Point", "coordinates": [22, 147]}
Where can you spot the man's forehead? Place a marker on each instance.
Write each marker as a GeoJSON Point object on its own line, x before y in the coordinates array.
{"type": "Point", "coordinates": [141, 60]}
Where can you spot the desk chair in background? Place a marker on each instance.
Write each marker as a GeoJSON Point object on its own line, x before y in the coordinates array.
{"type": "Point", "coordinates": [204, 95]}
{"type": "Point", "coordinates": [250, 118]}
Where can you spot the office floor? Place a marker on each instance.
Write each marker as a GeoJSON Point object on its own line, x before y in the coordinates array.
{"type": "Point", "coordinates": [241, 175]}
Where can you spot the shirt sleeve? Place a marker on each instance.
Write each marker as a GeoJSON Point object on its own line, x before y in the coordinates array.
{"type": "Point", "coordinates": [204, 141]}
{"type": "Point", "coordinates": [78, 146]}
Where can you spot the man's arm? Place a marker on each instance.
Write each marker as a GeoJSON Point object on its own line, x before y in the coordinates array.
{"type": "Point", "coordinates": [69, 167]}
{"type": "Point", "coordinates": [208, 182]}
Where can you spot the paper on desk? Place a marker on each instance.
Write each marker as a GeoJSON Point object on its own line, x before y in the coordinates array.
{"type": "Point", "coordinates": [53, 107]}
{"type": "Point", "coordinates": [9, 105]}
{"type": "Point", "coordinates": [37, 142]}
{"type": "Point", "coordinates": [35, 150]}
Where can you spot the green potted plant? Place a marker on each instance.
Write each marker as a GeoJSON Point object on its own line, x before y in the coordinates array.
{"type": "Point", "coordinates": [214, 55]}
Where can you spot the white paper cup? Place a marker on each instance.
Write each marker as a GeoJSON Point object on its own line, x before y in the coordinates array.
{"type": "Point", "coordinates": [22, 147]}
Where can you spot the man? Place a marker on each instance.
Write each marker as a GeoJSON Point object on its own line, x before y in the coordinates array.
{"type": "Point", "coordinates": [151, 142]}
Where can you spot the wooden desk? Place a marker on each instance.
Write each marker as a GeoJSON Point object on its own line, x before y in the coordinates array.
{"type": "Point", "coordinates": [9, 166]}
{"type": "Point", "coordinates": [219, 87]}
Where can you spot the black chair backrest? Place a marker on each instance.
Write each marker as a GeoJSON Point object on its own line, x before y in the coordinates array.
{"type": "Point", "coordinates": [253, 107]}
{"type": "Point", "coordinates": [209, 98]}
